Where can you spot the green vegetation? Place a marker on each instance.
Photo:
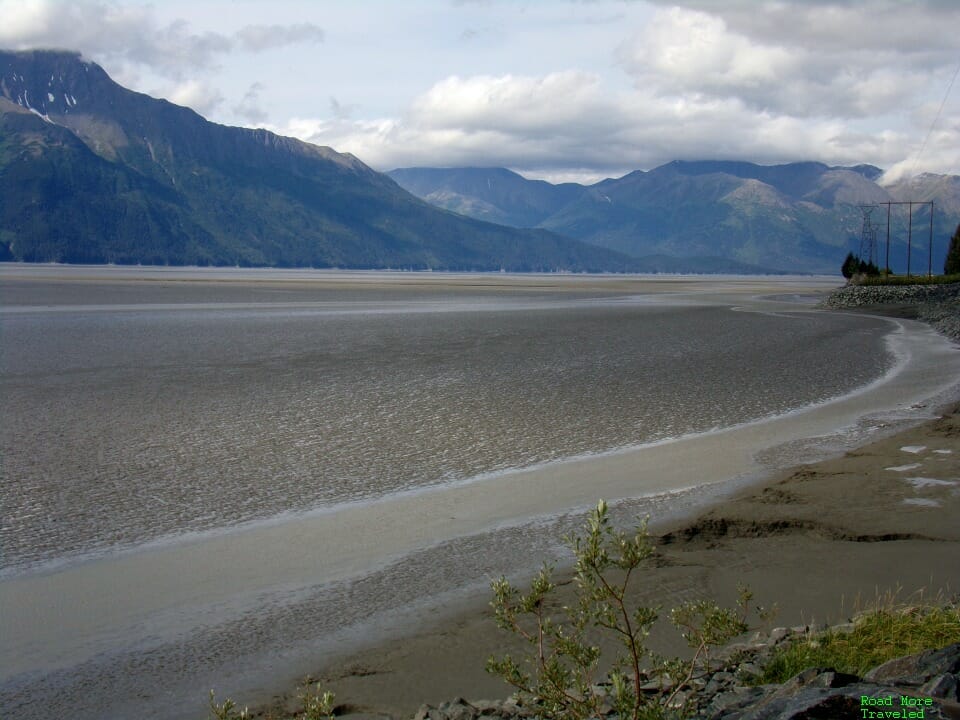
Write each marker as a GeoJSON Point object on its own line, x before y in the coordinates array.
{"type": "Point", "coordinates": [563, 665]}
{"type": "Point", "coordinates": [853, 265]}
{"type": "Point", "coordinates": [317, 705]}
{"type": "Point", "coordinates": [885, 632]}
{"type": "Point", "coordinates": [951, 266]}
{"type": "Point", "coordinates": [910, 280]}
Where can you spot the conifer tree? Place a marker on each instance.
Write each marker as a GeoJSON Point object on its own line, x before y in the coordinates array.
{"type": "Point", "coordinates": [952, 263]}
{"type": "Point", "coordinates": [850, 266]}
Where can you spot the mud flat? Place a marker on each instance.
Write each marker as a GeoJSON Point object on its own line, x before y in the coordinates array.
{"type": "Point", "coordinates": [821, 541]}
{"type": "Point", "coordinates": [232, 596]}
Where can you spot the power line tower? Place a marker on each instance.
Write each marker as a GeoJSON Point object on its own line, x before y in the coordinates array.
{"type": "Point", "coordinates": [868, 235]}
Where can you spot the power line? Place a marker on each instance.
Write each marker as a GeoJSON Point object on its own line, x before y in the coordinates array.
{"type": "Point", "coordinates": [935, 119]}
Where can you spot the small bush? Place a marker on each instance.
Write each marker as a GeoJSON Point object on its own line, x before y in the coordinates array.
{"type": "Point", "coordinates": [317, 705]}
{"type": "Point", "coordinates": [561, 672]}
{"type": "Point", "coordinates": [227, 710]}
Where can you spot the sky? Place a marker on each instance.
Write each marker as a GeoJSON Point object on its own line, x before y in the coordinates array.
{"type": "Point", "coordinates": [564, 90]}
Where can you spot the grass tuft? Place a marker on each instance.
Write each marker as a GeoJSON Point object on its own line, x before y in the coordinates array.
{"type": "Point", "coordinates": [886, 631]}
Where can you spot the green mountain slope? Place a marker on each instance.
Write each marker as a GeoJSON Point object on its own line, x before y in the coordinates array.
{"type": "Point", "coordinates": [493, 194]}
{"type": "Point", "coordinates": [93, 172]}
{"type": "Point", "coordinates": [795, 217]}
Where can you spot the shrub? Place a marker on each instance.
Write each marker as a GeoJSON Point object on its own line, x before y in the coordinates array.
{"type": "Point", "coordinates": [317, 705]}
{"type": "Point", "coordinates": [561, 670]}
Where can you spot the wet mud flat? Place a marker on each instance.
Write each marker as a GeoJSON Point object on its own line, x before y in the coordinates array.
{"type": "Point", "coordinates": [303, 569]}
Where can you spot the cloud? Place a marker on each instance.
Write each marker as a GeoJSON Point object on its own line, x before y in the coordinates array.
{"type": "Point", "coordinates": [126, 35]}
{"type": "Point", "coordinates": [918, 29]}
{"type": "Point", "coordinates": [840, 81]}
{"type": "Point", "coordinates": [569, 125]}
{"type": "Point", "coordinates": [785, 58]}
{"type": "Point", "coordinates": [339, 110]}
{"type": "Point", "coordinates": [249, 107]}
{"type": "Point", "coordinates": [197, 95]}
{"type": "Point", "coordinates": [835, 81]}
{"type": "Point", "coordinates": [258, 38]}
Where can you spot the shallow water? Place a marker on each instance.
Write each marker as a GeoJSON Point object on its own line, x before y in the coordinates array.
{"type": "Point", "coordinates": [327, 422]}
{"type": "Point", "coordinates": [121, 426]}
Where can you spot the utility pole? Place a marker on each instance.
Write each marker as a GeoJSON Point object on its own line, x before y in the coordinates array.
{"type": "Point", "coordinates": [909, 238]}
{"type": "Point", "coordinates": [868, 235]}
{"type": "Point", "coordinates": [887, 264]}
{"type": "Point", "coordinates": [910, 203]}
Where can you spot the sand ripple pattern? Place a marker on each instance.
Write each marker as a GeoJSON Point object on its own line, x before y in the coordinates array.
{"type": "Point", "coordinates": [121, 428]}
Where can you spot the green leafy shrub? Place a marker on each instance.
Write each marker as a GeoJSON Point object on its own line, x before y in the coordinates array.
{"type": "Point", "coordinates": [561, 672]}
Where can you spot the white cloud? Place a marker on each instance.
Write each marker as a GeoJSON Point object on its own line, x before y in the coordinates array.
{"type": "Point", "coordinates": [196, 95]}
{"type": "Point", "coordinates": [543, 105]}
{"type": "Point", "coordinates": [125, 35]}
{"type": "Point", "coordinates": [574, 89]}
{"type": "Point", "coordinates": [258, 38]}
{"type": "Point", "coordinates": [763, 81]}
{"type": "Point", "coordinates": [559, 125]}
{"type": "Point", "coordinates": [688, 51]}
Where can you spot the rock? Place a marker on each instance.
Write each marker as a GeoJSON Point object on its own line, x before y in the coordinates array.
{"type": "Point", "coordinates": [719, 681]}
{"type": "Point", "coordinates": [724, 704]}
{"type": "Point", "coordinates": [848, 627]}
{"type": "Point", "coordinates": [915, 670]}
{"type": "Point", "coordinates": [488, 707]}
{"type": "Point", "coordinates": [746, 671]}
{"type": "Point", "coordinates": [814, 694]}
{"type": "Point", "coordinates": [428, 712]}
{"type": "Point", "coordinates": [778, 634]}
{"type": "Point", "coordinates": [942, 686]}
{"type": "Point", "coordinates": [938, 305]}
{"type": "Point", "coordinates": [458, 709]}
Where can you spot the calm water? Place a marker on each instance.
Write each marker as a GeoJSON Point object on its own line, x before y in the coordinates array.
{"type": "Point", "coordinates": [133, 417]}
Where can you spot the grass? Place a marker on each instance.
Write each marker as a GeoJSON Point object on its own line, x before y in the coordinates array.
{"type": "Point", "coordinates": [886, 631]}
{"type": "Point", "coordinates": [910, 280]}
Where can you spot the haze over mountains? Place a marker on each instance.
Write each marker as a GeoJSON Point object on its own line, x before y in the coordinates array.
{"type": "Point", "coordinates": [795, 217]}
{"type": "Point", "coordinates": [91, 172]}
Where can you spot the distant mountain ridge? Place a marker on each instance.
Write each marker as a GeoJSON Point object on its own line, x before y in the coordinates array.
{"type": "Point", "coordinates": [93, 172]}
{"type": "Point", "coordinates": [793, 217]}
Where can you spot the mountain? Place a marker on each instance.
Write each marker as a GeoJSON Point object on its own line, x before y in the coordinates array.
{"type": "Point", "coordinates": [495, 194]}
{"type": "Point", "coordinates": [792, 217]}
{"type": "Point", "coordinates": [92, 172]}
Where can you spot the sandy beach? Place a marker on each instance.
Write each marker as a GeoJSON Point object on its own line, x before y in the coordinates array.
{"type": "Point", "coordinates": [819, 541]}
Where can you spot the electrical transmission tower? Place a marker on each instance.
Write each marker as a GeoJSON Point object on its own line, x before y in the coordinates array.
{"type": "Point", "coordinates": [868, 235]}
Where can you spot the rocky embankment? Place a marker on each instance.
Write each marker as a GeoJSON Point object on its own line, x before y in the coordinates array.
{"type": "Point", "coordinates": [938, 305]}
{"type": "Point", "coordinates": [925, 684]}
